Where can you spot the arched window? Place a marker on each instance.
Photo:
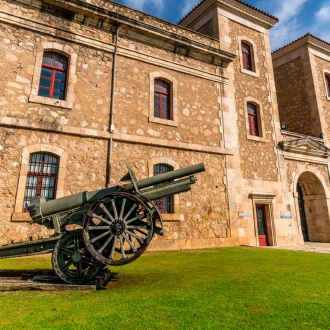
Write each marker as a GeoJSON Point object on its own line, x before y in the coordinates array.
{"type": "Point", "coordinates": [253, 115]}
{"type": "Point", "coordinates": [165, 205]}
{"type": "Point", "coordinates": [41, 177]}
{"type": "Point", "coordinates": [53, 76]}
{"type": "Point", "coordinates": [162, 99]}
{"type": "Point", "coordinates": [247, 56]}
{"type": "Point", "coordinates": [327, 82]}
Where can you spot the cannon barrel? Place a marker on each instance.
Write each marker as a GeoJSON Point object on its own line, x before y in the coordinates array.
{"type": "Point", "coordinates": [169, 176]}
{"type": "Point", "coordinates": [40, 208]}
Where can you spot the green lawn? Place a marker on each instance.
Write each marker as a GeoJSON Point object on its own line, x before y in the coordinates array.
{"type": "Point", "coordinates": [227, 288]}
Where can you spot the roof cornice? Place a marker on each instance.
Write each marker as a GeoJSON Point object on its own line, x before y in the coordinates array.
{"type": "Point", "coordinates": [237, 7]}
{"type": "Point", "coordinates": [307, 41]}
{"type": "Point", "coordinates": [147, 24]}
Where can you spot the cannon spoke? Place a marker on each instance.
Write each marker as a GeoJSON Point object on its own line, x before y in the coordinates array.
{"type": "Point", "coordinates": [129, 213]}
{"type": "Point", "coordinates": [67, 265]}
{"type": "Point", "coordinates": [79, 269]}
{"type": "Point", "coordinates": [122, 247]}
{"type": "Point", "coordinates": [67, 252]}
{"type": "Point", "coordinates": [139, 226]}
{"type": "Point", "coordinates": [100, 218]}
{"type": "Point", "coordinates": [98, 228]}
{"type": "Point", "coordinates": [107, 213]}
{"type": "Point", "coordinates": [130, 243]}
{"type": "Point", "coordinates": [139, 238]}
{"type": "Point", "coordinates": [114, 207]}
{"type": "Point", "coordinates": [128, 234]}
{"type": "Point", "coordinates": [105, 244]}
{"type": "Point", "coordinates": [72, 261]}
{"type": "Point", "coordinates": [113, 248]}
{"type": "Point", "coordinates": [100, 236]}
{"type": "Point", "coordinates": [122, 208]}
{"type": "Point", "coordinates": [138, 217]}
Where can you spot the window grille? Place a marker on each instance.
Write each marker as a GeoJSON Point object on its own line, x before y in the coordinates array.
{"type": "Point", "coordinates": [41, 177]}
{"type": "Point", "coordinates": [165, 205]}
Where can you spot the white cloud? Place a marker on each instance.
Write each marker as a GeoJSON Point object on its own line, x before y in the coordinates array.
{"type": "Point", "coordinates": [321, 25]}
{"type": "Point", "coordinates": [188, 6]}
{"type": "Point", "coordinates": [141, 4]}
{"type": "Point", "coordinates": [289, 27]}
{"type": "Point", "coordinates": [323, 13]}
{"type": "Point", "coordinates": [289, 9]}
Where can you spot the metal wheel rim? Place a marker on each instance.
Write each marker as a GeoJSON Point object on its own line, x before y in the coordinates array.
{"type": "Point", "coordinates": [71, 260]}
{"type": "Point", "coordinates": [118, 228]}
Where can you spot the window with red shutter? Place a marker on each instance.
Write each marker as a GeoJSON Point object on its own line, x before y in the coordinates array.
{"type": "Point", "coordinates": [253, 119]}
{"type": "Point", "coordinates": [162, 99]}
{"type": "Point", "coordinates": [247, 58]}
{"type": "Point", "coordinates": [327, 81]}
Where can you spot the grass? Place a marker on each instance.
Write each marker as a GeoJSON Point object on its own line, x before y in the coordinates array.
{"type": "Point", "coordinates": [227, 288]}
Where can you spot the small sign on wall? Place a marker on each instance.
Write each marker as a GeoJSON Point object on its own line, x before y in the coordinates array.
{"type": "Point", "coordinates": [289, 216]}
{"type": "Point", "coordinates": [242, 214]}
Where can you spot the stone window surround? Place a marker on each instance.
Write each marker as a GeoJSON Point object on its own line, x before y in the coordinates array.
{"type": "Point", "coordinates": [71, 79]}
{"type": "Point", "coordinates": [175, 216]}
{"type": "Point", "coordinates": [326, 73]}
{"type": "Point", "coordinates": [173, 101]}
{"type": "Point", "coordinates": [254, 58]}
{"type": "Point", "coordinates": [262, 137]}
{"type": "Point", "coordinates": [18, 215]}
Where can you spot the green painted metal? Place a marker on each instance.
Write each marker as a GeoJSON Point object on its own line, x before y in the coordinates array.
{"type": "Point", "coordinates": [117, 224]}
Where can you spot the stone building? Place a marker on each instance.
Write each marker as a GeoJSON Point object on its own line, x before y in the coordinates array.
{"type": "Point", "coordinates": [88, 85]}
{"type": "Point", "coordinates": [302, 76]}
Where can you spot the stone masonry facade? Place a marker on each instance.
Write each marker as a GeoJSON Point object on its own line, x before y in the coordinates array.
{"type": "Point", "coordinates": [116, 53]}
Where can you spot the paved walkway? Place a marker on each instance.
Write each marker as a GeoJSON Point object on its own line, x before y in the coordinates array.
{"type": "Point", "coordinates": [307, 246]}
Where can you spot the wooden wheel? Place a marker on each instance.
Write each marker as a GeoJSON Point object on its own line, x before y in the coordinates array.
{"type": "Point", "coordinates": [118, 228]}
{"type": "Point", "coordinates": [71, 260]}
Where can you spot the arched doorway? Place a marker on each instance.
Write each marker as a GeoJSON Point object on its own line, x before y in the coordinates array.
{"type": "Point", "coordinates": [313, 208]}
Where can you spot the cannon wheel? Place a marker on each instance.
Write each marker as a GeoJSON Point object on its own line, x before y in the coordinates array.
{"type": "Point", "coordinates": [71, 260]}
{"type": "Point", "coordinates": [118, 228]}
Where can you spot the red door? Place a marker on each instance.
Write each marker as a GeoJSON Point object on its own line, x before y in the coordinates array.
{"type": "Point", "coordinates": [262, 226]}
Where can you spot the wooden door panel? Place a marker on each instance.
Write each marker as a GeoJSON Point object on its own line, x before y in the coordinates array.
{"type": "Point", "coordinates": [262, 225]}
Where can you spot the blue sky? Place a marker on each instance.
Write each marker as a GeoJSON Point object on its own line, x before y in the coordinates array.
{"type": "Point", "coordinates": [297, 17]}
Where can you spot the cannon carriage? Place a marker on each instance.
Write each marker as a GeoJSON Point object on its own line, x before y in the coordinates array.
{"type": "Point", "coordinates": [114, 226]}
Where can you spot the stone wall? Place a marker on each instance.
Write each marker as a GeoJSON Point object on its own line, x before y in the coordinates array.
{"type": "Point", "coordinates": [322, 67]}
{"type": "Point", "coordinates": [78, 130]}
{"type": "Point", "coordinates": [295, 111]}
{"type": "Point", "coordinates": [258, 160]}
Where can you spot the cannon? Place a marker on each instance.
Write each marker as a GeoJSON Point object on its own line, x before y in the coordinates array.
{"type": "Point", "coordinates": [112, 226]}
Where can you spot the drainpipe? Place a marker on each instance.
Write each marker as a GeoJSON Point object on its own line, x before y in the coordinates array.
{"type": "Point", "coordinates": [112, 108]}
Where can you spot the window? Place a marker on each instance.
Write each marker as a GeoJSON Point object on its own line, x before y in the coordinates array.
{"type": "Point", "coordinates": [165, 205]}
{"type": "Point", "coordinates": [253, 119]}
{"type": "Point", "coordinates": [41, 177]}
{"type": "Point", "coordinates": [162, 98]}
{"type": "Point", "coordinates": [327, 82]}
{"type": "Point", "coordinates": [53, 76]}
{"type": "Point", "coordinates": [247, 56]}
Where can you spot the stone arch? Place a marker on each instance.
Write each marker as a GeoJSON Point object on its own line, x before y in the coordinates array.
{"type": "Point", "coordinates": [312, 204]}
{"type": "Point", "coordinates": [18, 215]}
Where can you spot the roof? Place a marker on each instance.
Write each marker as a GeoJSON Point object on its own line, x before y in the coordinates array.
{"type": "Point", "coordinates": [239, 1]}
{"type": "Point", "coordinates": [306, 35]}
